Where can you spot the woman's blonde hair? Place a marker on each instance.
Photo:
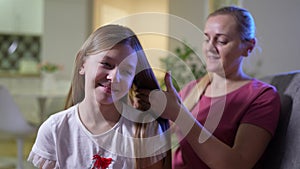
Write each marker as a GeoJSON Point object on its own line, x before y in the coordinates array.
{"type": "Point", "coordinates": [246, 29]}
{"type": "Point", "coordinates": [245, 21]}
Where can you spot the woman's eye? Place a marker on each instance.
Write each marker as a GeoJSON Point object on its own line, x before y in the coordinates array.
{"type": "Point", "coordinates": [205, 39]}
{"type": "Point", "coordinates": [222, 42]}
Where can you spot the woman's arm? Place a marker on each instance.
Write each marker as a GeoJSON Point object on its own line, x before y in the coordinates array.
{"type": "Point", "coordinates": [250, 141]}
{"type": "Point", "coordinates": [249, 145]}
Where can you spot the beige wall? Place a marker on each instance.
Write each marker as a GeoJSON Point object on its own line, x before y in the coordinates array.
{"type": "Point", "coordinates": [278, 35]}
{"type": "Point", "coordinates": [148, 19]}
{"type": "Point", "coordinates": [67, 24]}
{"type": "Point", "coordinates": [125, 12]}
{"type": "Point", "coordinates": [188, 27]}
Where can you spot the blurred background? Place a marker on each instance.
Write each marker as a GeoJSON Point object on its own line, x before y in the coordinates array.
{"type": "Point", "coordinates": [39, 40]}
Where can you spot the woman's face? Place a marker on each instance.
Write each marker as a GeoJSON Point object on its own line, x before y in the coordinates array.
{"type": "Point", "coordinates": [222, 47]}
{"type": "Point", "coordinates": [109, 74]}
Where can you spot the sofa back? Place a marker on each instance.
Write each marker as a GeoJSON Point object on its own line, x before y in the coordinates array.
{"type": "Point", "coordinates": [283, 151]}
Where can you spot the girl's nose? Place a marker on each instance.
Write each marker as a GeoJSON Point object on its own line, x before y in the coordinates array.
{"type": "Point", "coordinates": [114, 75]}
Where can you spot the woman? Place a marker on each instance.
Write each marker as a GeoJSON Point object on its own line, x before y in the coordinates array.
{"type": "Point", "coordinates": [97, 130]}
{"type": "Point", "coordinates": [234, 116]}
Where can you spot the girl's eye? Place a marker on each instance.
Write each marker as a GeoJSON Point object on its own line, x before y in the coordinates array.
{"type": "Point", "coordinates": [106, 65]}
{"type": "Point", "coordinates": [125, 71]}
{"type": "Point", "coordinates": [129, 72]}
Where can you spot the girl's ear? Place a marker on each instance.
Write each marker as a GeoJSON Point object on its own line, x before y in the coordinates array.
{"type": "Point", "coordinates": [81, 70]}
{"type": "Point", "coordinates": [249, 46]}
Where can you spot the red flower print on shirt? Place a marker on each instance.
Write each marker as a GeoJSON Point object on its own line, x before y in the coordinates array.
{"type": "Point", "coordinates": [101, 162]}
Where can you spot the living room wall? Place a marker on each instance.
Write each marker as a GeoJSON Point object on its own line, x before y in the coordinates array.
{"type": "Point", "coordinates": [278, 34]}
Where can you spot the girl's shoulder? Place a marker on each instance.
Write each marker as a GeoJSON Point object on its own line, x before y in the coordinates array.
{"type": "Point", "coordinates": [132, 119]}
{"type": "Point", "coordinates": [67, 112]}
{"type": "Point", "coordinates": [61, 117]}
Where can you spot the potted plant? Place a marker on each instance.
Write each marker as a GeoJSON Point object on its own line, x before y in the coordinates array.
{"type": "Point", "coordinates": [48, 71]}
{"type": "Point", "coordinates": [184, 65]}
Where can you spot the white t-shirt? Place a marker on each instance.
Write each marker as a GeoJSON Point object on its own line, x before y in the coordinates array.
{"type": "Point", "coordinates": [64, 142]}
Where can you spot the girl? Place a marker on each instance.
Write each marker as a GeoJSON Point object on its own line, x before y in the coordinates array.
{"type": "Point", "coordinates": [99, 129]}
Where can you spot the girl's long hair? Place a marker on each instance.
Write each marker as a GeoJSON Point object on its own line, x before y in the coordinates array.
{"type": "Point", "coordinates": [105, 38]}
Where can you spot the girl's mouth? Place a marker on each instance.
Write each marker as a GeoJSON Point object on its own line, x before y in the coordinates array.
{"type": "Point", "coordinates": [106, 87]}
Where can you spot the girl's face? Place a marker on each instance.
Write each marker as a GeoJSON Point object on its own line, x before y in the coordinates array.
{"type": "Point", "coordinates": [109, 74]}
{"type": "Point", "coordinates": [222, 47]}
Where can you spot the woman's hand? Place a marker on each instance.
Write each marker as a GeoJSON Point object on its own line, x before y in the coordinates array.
{"type": "Point", "coordinates": [166, 103]}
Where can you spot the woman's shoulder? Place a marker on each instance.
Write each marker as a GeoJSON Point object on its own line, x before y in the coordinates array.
{"type": "Point", "coordinates": [257, 90]}
{"type": "Point", "coordinates": [260, 86]}
{"type": "Point", "coordinates": [187, 88]}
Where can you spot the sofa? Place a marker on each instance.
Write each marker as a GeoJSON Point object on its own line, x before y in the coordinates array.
{"type": "Point", "coordinates": [283, 151]}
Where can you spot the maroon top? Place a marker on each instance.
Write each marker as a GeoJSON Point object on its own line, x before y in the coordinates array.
{"type": "Point", "coordinates": [255, 103]}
